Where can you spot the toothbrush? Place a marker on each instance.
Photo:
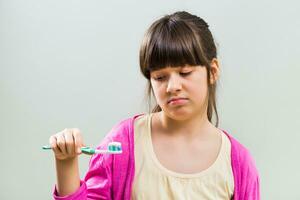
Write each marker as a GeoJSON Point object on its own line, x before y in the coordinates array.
{"type": "Point", "coordinates": [113, 148]}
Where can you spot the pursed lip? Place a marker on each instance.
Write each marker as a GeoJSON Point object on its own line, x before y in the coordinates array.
{"type": "Point", "coordinates": [177, 98]}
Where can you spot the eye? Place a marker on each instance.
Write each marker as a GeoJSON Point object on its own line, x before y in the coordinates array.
{"type": "Point", "coordinates": [185, 73]}
{"type": "Point", "coordinates": [159, 78]}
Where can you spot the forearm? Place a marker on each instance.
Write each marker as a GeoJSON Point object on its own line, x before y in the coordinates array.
{"type": "Point", "coordinates": [68, 179]}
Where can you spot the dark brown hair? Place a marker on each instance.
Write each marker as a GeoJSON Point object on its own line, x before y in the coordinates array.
{"type": "Point", "coordinates": [176, 40]}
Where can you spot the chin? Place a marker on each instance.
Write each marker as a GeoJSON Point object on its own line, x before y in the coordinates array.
{"type": "Point", "coordinates": [179, 114]}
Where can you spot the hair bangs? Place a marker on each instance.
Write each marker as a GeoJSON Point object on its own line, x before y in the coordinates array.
{"type": "Point", "coordinates": [173, 45]}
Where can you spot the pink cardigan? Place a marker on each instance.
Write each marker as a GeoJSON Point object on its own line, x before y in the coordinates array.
{"type": "Point", "coordinates": [111, 176]}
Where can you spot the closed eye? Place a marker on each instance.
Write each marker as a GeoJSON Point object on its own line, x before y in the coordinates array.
{"type": "Point", "coordinates": [185, 73]}
{"type": "Point", "coordinates": [159, 78]}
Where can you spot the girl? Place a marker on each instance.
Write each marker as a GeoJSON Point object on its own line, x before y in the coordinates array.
{"type": "Point", "coordinates": [174, 152]}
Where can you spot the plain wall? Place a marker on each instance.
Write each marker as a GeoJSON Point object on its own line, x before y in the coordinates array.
{"type": "Point", "coordinates": [67, 64]}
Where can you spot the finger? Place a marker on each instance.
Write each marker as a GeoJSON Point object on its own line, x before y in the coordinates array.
{"type": "Point", "coordinates": [53, 144]}
{"type": "Point", "coordinates": [69, 141]}
{"type": "Point", "coordinates": [61, 143]}
{"type": "Point", "coordinates": [78, 140]}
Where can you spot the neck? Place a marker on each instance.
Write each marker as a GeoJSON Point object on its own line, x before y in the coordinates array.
{"type": "Point", "coordinates": [194, 126]}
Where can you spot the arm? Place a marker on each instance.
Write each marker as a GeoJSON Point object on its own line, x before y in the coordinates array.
{"type": "Point", "coordinates": [252, 187]}
{"type": "Point", "coordinates": [66, 146]}
{"type": "Point", "coordinates": [95, 185]}
{"type": "Point", "coordinates": [103, 169]}
{"type": "Point", "coordinates": [67, 172]}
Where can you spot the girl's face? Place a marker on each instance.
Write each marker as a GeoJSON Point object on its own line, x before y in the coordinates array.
{"type": "Point", "coordinates": [181, 91]}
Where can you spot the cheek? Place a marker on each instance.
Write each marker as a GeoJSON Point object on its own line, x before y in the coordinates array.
{"type": "Point", "coordinates": [198, 91]}
{"type": "Point", "coordinates": [159, 92]}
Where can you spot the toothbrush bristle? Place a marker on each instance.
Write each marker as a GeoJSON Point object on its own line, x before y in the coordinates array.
{"type": "Point", "coordinates": [114, 146]}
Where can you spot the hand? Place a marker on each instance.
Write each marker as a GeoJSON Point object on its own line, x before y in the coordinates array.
{"type": "Point", "coordinates": [66, 144]}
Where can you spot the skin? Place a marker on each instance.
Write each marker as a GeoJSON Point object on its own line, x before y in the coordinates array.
{"type": "Point", "coordinates": [183, 138]}
{"type": "Point", "coordinates": [184, 130]}
{"type": "Point", "coordinates": [66, 146]}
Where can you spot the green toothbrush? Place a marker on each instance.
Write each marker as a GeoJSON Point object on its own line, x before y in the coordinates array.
{"type": "Point", "coordinates": [113, 148]}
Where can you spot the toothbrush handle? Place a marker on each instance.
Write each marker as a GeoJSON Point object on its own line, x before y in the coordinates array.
{"type": "Point", "coordinates": [46, 147]}
{"type": "Point", "coordinates": [88, 150]}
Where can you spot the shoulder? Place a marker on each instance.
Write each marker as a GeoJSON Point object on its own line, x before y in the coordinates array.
{"type": "Point", "coordinates": [122, 132]}
{"type": "Point", "coordinates": [246, 175]}
{"type": "Point", "coordinates": [241, 158]}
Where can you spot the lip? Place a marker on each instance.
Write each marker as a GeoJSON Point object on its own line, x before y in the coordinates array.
{"type": "Point", "coordinates": [177, 101]}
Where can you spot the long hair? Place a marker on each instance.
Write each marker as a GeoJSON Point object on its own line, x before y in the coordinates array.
{"type": "Point", "coordinates": [176, 40]}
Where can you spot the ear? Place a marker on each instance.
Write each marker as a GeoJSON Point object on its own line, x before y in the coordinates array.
{"type": "Point", "coordinates": [215, 71]}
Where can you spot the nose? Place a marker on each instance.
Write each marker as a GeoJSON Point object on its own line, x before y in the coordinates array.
{"type": "Point", "coordinates": [174, 84]}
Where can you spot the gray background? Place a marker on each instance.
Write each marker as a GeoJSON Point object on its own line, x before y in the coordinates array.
{"type": "Point", "coordinates": [67, 64]}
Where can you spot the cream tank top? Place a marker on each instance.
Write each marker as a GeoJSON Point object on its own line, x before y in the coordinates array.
{"type": "Point", "coordinates": [153, 181]}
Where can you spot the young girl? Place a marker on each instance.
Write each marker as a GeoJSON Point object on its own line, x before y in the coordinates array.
{"type": "Point", "coordinates": [174, 152]}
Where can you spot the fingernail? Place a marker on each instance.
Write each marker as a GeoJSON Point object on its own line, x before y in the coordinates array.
{"type": "Point", "coordinates": [78, 150]}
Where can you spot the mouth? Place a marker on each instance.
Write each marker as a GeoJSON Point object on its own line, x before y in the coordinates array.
{"type": "Point", "coordinates": [177, 100]}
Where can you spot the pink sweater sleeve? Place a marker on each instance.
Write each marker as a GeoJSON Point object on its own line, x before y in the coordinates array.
{"type": "Point", "coordinates": [250, 184]}
{"type": "Point", "coordinates": [246, 175]}
{"type": "Point", "coordinates": [96, 184]}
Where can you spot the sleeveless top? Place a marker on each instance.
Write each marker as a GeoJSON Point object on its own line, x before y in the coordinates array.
{"type": "Point", "coordinates": [153, 181]}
